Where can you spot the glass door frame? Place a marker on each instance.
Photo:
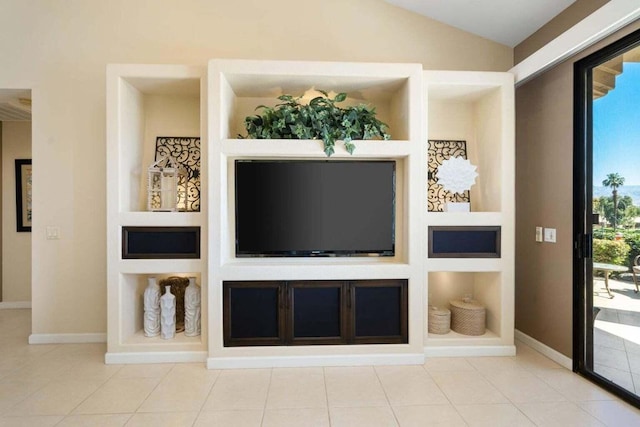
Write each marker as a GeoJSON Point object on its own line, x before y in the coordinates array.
{"type": "Point", "coordinates": [583, 317]}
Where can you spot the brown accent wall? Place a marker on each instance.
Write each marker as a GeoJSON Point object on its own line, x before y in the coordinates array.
{"type": "Point", "coordinates": [544, 197]}
{"type": "Point", "coordinates": [558, 25]}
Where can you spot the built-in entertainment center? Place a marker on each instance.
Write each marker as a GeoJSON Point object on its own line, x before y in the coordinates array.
{"type": "Point", "coordinates": [305, 259]}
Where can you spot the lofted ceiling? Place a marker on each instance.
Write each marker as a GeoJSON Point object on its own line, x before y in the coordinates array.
{"type": "Point", "coordinates": [504, 21]}
{"type": "Point", "coordinates": [15, 105]}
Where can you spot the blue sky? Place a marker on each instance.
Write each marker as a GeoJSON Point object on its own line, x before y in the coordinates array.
{"type": "Point", "coordinates": [616, 129]}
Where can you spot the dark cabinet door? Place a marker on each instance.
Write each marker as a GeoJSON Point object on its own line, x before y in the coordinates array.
{"type": "Point", "coordinates": [317, 312]}
{"type": "Point", "coordinates": [378, 311]}
{"type": "Point", "coordinates": [254, 313]}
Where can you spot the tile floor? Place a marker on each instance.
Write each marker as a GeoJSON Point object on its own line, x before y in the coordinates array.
{"type": "Point", "coordinates": [616, 333]}
{"type": "Point", "coordinates": [69, 385]}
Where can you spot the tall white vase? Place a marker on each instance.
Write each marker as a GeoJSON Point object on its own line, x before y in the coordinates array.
{"type": "Point", "coordinates": [168, 314]}
{"type": "Point", "coordinates": [151, 322]}
{"type": "Point", "coordinates": [192, 302]}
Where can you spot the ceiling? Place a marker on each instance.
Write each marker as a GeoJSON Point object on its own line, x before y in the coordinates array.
{"type": "Point", "coordinates": [504, 21]}
{"type": "Point", "coordinates": [15, 105]}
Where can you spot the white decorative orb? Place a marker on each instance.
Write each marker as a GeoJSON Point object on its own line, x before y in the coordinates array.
{"type": "Point", "coordinates": [456, 174]}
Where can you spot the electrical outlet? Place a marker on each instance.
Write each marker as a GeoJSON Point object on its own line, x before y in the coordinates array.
{"type": "Point", "coordinates": [538, 234]}
{"type": "Point", "coordinates": [550, 235]}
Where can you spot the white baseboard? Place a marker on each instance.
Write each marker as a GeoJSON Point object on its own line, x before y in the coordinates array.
{"type": "Point", "coordinates": [155, 357]}
{"type": "Point", "coordinates": [67, 338]}
{"type": "Point", "coordinates": [470, 351]}
{"type": "Point", "coordinates": [545, 350]}
{"type": "Point", "coordinates": [10, 305]}
{"type": "Point", "coordinates": [308, 361]}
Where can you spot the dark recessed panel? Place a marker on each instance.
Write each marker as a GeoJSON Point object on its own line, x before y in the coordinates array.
{"type": "Point", "coordinates": [317, 311]}
{"type": "Point", "coordinates": [379, 311]}
{"type": "Point", "coordinates": [253, 313]}
{"type": "Point", "coordinates": [160, 242]}
{"type": "Point", "coordinates": [464, 242]}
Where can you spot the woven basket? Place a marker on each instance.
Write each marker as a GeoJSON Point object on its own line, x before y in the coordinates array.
{"type": "Point", "coordinates": [439, 320]}
{"type": "Point", "coordinates": [468, 317]}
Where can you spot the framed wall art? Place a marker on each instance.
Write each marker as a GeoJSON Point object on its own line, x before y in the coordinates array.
{"type": "Point", "coordinates": [23, 195]}
{"type": "Point", "coordinates": [437, 152]}
{"type": "Point", "coordinates": [186, 152]}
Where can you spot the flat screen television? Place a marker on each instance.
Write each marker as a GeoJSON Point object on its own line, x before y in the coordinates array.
{"type": "Point", "coordinates": [303, 208]}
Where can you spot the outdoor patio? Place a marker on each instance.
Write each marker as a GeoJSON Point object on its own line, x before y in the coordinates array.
{"type": "Point", "coordinates": [617, 332]}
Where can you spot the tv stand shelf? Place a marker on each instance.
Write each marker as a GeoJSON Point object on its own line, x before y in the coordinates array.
{"type": "Point", "coordinates": [212, 101]}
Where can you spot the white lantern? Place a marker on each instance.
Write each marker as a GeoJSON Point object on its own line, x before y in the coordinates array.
{"type": "Point", "coordinates": [163, 191]}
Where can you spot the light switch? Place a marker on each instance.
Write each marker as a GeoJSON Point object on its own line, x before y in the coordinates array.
{"type": "Point", "coordinates": [538, 234]}
{"type": "Point", "coordinates": [53, 233]}
{"type": "Point", "coordinates": [550, 235]}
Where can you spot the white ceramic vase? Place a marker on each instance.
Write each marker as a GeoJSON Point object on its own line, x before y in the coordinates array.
{"type": "Point", "coordinates": [192, 302]}
{"type": "Point", "coordinates": [151, 322]}
{"type": "Point", "coordinates": [168, 314]}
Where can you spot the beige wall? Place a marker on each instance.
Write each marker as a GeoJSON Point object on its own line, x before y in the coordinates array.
{"type": "Point", "coordinates": [60, 49]}
{"type": "Point", "coordinates": [558, 25]}
{"type": "Point", "coordinates": [544, 197]}
{"type": "Point", "coordinates": [16, 247]}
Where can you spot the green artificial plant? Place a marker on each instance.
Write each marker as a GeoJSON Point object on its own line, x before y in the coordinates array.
{"type": "Point", "coordinates": [321, 119]}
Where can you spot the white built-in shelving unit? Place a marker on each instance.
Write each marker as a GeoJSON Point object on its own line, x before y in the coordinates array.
{"type": "Point", "coordinates": [477, 107]}
{"type": "Point", "coordinates": [236, 87]}
{"type": "Point", "coordinates": [146, 101]}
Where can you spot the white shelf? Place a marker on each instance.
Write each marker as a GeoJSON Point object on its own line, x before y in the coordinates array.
{"type": "Point", "coordinates": [286, 148]}
{"type": "Point", "coordinates": [145, 102]}
{"type": "Point", "coordinates": [308, 271]}
{"type": "Point", "coordinates": [454, 338]}
{"type": "Point", "coordinates": [160, 266]}
{"type": "Point", "coordinates": [465, 264]}
{"type": "Point", "coordinates": [161, 219]}
{"type": "Point", "coordinates": [464, 218]}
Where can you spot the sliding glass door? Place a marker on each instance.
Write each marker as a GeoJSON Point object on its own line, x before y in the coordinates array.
{"type": "Point", "coordinates": [607, 217]}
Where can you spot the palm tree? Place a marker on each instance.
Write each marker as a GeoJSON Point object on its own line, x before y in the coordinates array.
{"type": "Point", "coordinates": [614, 180]}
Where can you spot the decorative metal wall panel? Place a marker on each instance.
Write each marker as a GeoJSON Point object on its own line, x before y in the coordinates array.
{"type": "Point", "coordinates": [438, 152]}
{"type": "Point", "coordinates": [186, 151]}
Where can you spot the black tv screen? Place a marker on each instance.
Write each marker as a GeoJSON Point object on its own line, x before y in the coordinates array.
{"type": "Point", "coordinates": [314, 208]}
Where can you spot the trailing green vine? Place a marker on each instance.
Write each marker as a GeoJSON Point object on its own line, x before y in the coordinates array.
{"type": "Point", "coordinates": [321, 119]}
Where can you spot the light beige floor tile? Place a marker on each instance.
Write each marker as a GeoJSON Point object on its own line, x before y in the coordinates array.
{"type": "Point", "coordinates": [42, 368]}
{"type": "Point", "coordinates": [467, 388]}
{"type": "Point", "coordinates": [490, 365]}
{"type": "Point", "coordinates": [524, 386]}
{"type": "Point", "coordinates": [154, 370]}
{"type": "Point", "coordinates": [307, 417]}
{"type": "Point", "coordinates": [118, 395]}
{"type": "Point", "coordinates": [196, 371]}
{"type": "Point", "coordinates": [558, 414]}
{"type": "Point", "coordinates": [13, 392]}
{"type": "Point", "coordinates": [496, 415]}
{"type": "Point", "coordinates": [166, 419]}
{"type": "Point", "coordinates": [239, 389]}
{"type": "Point", "coordinates": [444, 364]}
{"type": "Point", "coordinates": [409, 385]}
{"type": "Point", "coordinates": [380, 416]}
{"type": "Point", "coordinates": [354, 386]}
{"type": "Point", "coordinates": [613, 413]}
{"type": "Point", "coordinates": [113, 420]}
{"type": "Point", "coordinates": [297, 388]}
{"type": "Point", "coordinates": [252, 418]}
{"type": "Point", "coordinates": [530, 359]}
{"type": "Point", "coordinates": [175, 393]}
{"type": "Point", "coordinates": [90, 370]}
{"type": "Point", "coordinates": [572, 386]}
{"type": "Point", "coordinates": [55, 398]}
{"type": "Point", "coordinates": [428, 416]}
{"type": "Point", "coordinates": [40, 421]}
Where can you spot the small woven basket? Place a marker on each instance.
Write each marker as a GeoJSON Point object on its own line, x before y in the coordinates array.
{"type": "Point", "coordinates": [468, 317]}
{"type": "Point", "coordinates": [439, 320]}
